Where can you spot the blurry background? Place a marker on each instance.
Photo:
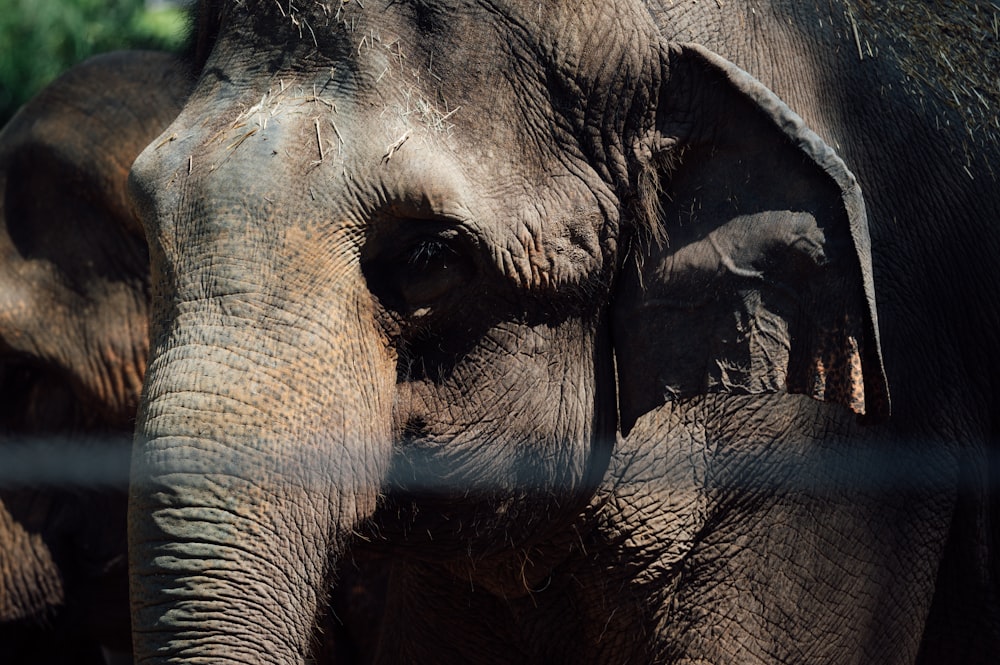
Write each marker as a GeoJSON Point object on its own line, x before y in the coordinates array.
{"type": "Point", "coordinates": [39, 39]}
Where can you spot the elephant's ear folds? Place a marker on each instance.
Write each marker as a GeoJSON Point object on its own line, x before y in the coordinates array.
{"type": "Point", "coordinates": [74, 269]}
{"type": "Point", "coordinates": [761, 280]}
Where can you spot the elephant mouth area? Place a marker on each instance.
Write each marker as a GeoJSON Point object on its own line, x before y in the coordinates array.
{"type": "Point", "coordinates": [482, 522]}
{"type": "Point", "coordinates": [459, 500]}
{"type": "Point", "coordinates": [509, 545]}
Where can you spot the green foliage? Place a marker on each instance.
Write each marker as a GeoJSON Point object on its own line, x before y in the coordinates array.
{"type": "Point", "coordinates": [39, 39]}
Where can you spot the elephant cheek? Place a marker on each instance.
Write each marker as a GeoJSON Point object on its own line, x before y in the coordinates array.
{"type": "Point", "coordinates": [473, 476]}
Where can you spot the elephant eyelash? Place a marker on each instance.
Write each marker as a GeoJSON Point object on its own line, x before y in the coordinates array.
{"type": "Point", "coordinates": [429, 252]}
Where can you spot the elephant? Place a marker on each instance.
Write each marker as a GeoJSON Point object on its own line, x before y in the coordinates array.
{"type": "Point", "coordinates": [584, 317]}
{"type": "Point", "coordinates": [74, 292]}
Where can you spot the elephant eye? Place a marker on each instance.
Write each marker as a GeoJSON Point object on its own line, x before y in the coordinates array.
{"type": "Point", "coordinates": [412, 269]}
{"type": "Point", "coordinates": [428, 270]}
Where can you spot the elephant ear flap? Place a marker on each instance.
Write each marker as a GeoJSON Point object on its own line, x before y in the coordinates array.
{"type": "Point", "coordinates": [74, 268]}
{"type": "Point", "coordinates": [754, 274]}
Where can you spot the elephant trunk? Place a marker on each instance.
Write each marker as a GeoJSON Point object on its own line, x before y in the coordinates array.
{"type": "Point", "coordinates": [260, 445]}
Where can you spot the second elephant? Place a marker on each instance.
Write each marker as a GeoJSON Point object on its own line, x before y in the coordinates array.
{"type": "Point", "coordinates": [74, 291]}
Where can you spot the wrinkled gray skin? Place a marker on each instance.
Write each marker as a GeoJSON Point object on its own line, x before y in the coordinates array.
{"type": "Point", "coordinates": [74, 294]}
{"type": "Point", "coordinates": [533, 299]}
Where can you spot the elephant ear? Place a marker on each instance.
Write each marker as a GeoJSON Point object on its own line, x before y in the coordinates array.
{"type": "Point", "coordinates": [757, 275]}
{"type": "Point", "coordinates": [73, 262]}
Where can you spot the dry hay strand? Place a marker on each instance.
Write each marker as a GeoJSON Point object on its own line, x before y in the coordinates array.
{"type": "Point", "coordinates": [950, 48]}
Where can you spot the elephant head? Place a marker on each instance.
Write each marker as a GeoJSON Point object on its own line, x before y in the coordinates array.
{"type": "Point", "coordinates": [427, 260]}
{"type": "Point", "coordinates": [73, 343]}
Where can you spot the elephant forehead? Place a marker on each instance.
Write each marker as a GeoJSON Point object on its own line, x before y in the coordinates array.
{"type": "Point", "coordinates": [509, 81]}
{"type": "Point", "coordinates": [453, 45]}
{"type": "Point", "coordinates": [440, 18]}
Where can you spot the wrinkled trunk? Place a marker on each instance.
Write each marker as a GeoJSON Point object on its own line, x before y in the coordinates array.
{"type": "Point", "coordinates": [261, 442]}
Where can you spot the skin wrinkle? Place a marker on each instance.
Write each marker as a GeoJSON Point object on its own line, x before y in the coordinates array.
{"type": "Point", "coordinates": [100, 375]}
{"type": "Point", "coordinates": [279, 615]}
{"type": "Point", "coordinates": [219, 576]}
{"type": "Point", "coordinates": [630, 505]}
{"type": "Point", "coordinates": [314, 605]}
{"type": "Point", "coordinates": [30, 583]}
{"type": "Point", "coordinates": [541, 143]}
{"type": "Point", "coordinates": [121, 363]}
{"type": "Point", "coordinates": [242, 403]}
{"type": "Point", "coordinates": [757, 631]}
